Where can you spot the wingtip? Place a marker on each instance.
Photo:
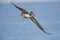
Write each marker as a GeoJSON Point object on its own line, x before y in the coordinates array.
{"type": "Point", "coordinates": [47, 33]}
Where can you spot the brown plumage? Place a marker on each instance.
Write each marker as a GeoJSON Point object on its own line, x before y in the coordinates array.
{"type": "Point", "coordinates": [38, 24]}
{"type": "Point", "coordinates": [26, 14]}
{"type": "Point", "coordinates": [21, 9]}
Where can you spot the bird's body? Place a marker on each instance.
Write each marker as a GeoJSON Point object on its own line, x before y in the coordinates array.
{"type": "Point", "coordinates": [30, 15]}
{"type": "Point", "coordinates": [26, 15]}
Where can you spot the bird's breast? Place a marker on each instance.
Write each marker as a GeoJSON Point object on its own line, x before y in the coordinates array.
{"type": "Point", "coordinates": [26, 15]}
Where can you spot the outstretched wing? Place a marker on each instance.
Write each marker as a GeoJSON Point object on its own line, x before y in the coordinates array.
{"type": "Point", "coordinates": [38, 24]}
{"type": "Point", "coordinates": [21, 9]}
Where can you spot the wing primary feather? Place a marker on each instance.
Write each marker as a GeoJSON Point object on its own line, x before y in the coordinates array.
{"type": "Point", "coordinates": [21, 9]}
{"type": "Point", "coordinates": [32, 18]}
{"type": "Point", "coordinates": [38, 24]}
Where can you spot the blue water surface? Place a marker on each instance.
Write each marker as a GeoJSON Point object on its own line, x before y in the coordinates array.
{"type": "Point", "coordinates": [14, 27]}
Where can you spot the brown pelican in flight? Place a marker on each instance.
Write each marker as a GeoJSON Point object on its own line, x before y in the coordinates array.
{"type": "Point", "coordinates": [30, 15]}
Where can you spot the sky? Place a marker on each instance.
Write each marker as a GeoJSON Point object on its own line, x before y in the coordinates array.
{"type": "Point", "coordinates": [14, 27]}
{"type": "Point", "coordinates": [21, 1]}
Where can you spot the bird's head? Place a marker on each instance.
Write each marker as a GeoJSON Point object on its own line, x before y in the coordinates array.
{"type": "Point", "coordinates": [32, 13]}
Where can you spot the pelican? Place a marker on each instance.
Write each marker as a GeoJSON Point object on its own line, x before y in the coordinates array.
{"type": "Point", "coordinates": [30, 16]}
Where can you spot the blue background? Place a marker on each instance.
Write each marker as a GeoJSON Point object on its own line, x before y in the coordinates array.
{"type": "Point", "coordinates": [14, 27]}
